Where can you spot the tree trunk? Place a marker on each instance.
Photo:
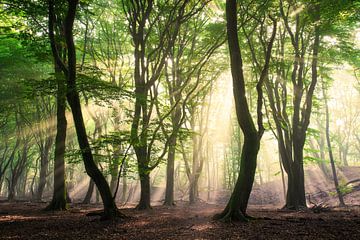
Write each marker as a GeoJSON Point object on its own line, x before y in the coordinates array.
{"type": "Point", "coordinates": [89, 192]}
{"type": "Point", "coordinates": [235, 210]}
{"type": "Point", "coordinates": [110, 209]}
{"type": "Point", "coordinates": [58, 201]}
{"type": "Point", "coordinates": [141, 146]}
{"type": "Point", "coordinates": [44, 165]}
{"type": "Point", "coordinates": [169, 193]}
{"type": "Point", "coordinates": [328, 141]}
{"type": "Point", "coordinates": [22, 186]}
{"type": "Point", "coordinates": [17, 170]}
{"type": "Point", "coordinates": [208, 177]}
{"type": "Point", "coordinates": [192, 190]}
{"type": "Point", "coordinates": [344, 150]}
{"type": "Point", "coordinates": [282, 176]}
{"type": "Point", "coordinates": [124, 187]}
{"type": "Point", "coordinates": [295, 197]}
{"type": "Point", "coordinates": [144, 202]}
{"type": "Point", "coordinates": [11, 191]}
{"type": "Point", "coordinates": [114, 175]}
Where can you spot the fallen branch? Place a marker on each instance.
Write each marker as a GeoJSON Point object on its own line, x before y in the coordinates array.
{"type": "Point", "coordinates": [352, 181]}
{"type": "Point", "coordinates": [318, 207]}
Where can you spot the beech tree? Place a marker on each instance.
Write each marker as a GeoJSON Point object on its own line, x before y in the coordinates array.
{"type": "Point", "coordinates": [72, 95]}
{"type": "Point", "coordinates": [149, 62]}
{"type": "Point", "coordinates": [304, 26]}
{"type": "Point", "coordinates": [235, 209]}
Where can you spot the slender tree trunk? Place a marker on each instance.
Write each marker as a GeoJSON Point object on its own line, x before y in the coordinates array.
{"type": "Point", "coordinates": [17, 170]}
{"type": "Point", "coordinates": [344, 153]}
{"type": "Point", "coordinates": [114, 172]}
{"type": "Point", "coordinates": [22, 186]}
{"type": "Point", "coordinates": [196, 169]}
{"type": "Point", "coordinates": [141, 147]}
{"type": "Point", "coordinates": [332, 162]}
{"type": "Point", "coordinates": [58, 201]}
{"type": "Point", "coordinates": [110, 209]}
{"type": "Point", "coordinates": [89, 192]}
{"type": "Point", "coordinates": [44, 165]}
{"type": "Point", "coordinates": [282, 176]}
{"type": "Point", "coordinates": [192, 190]}
{"type": "Point", "coordinates": [170, 167]}
{"type": "Point", "coordinates": [124, 187]}
{"type": "Point", "coordinates": [11, 191]}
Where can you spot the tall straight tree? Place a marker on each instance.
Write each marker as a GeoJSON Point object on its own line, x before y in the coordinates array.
{"type": "Point", "coordinates": [58, 201]}
{"type": "Point", "coordinates": [330, 150]}
{"type": "Point", "coordinates": [235, 209]}
{"type": "Point", "coordinates": [72, 95]}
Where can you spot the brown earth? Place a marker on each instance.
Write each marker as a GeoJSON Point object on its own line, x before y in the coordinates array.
{"type": "Point", "coordinates": [24, 220]}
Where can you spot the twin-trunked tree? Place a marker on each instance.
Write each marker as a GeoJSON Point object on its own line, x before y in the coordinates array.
{"type": "Point", "coordinates": [291, 88]}
{"type": "Point", "coordinates": [68, 68]}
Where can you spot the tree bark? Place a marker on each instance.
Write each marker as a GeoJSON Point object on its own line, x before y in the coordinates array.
{"type": "Point", "coordinates": [58, 201]}
{"type": "Point", "coordinates": [235, 210]}
{"type": "Point", "coordinates": [44, 165]}
{"type": "Point", "coordinates": [170, 167]}
{"type": "Point", "coordinates": [110, 208]}
{"type": "Point", "coordinates": [89, 192]}
{"type": "Point", "coordinates": [144, 202]}
{"type": "Point", "coordinates": [332, 162]}
{"type": "Point", "coordinates": [17, 169]}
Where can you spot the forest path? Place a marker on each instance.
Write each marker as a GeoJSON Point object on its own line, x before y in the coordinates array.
{"type": "Point", "coordinates": [24, 220]}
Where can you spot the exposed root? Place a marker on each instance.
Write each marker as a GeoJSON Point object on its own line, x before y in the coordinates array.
{"type": "Point", "coordinates": [231, 216]}
{"type": "Point", "coordinates": [173, 204]}
{"type": "Point", "coordinates": [108, 216]}
{"type": "Point", "coordinates": [293, 208]}
{"type": "Point", "coordinates": [142, 207]}
{"type": "Point", "coordinates": [250, 217]}
{"type": "Point", "coordinates": [56, 206]}
{"type": "Point", "coordinates": [320, 208]}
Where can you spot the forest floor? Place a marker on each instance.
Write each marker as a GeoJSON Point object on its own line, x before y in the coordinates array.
{"type": "Point", "coordinates": [25, 220]}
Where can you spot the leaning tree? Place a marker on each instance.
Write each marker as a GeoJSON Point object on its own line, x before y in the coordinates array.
{"type": "Point", "coordinates": [235, 209]}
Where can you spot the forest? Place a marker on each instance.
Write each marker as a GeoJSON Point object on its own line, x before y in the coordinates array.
{"type": "Point", "coordinates": [179, 119]}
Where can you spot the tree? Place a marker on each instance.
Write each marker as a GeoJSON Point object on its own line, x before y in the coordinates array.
{"type": "Point", "coordinates": [291, 128]}
{"type": "Point", "coordinates": [72, 95]}
{"type": "Point", "coordinates": [58, 201]}
{"type": "Point", "coordinates": [153, 26]}
{"type": "Point", "coordinates": [304, 27]}
{"type": "Point", "coordinates": [235, 209]}
{"type": "Point", "coordinates": [328, 142]}
{"type": "Point", "coordinates": [189, 73]}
